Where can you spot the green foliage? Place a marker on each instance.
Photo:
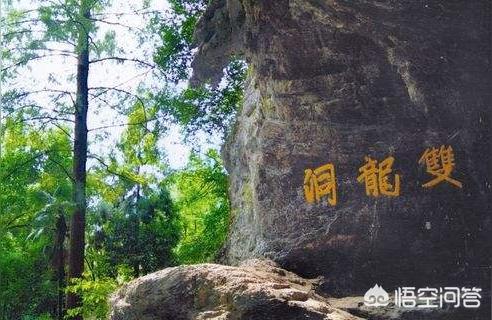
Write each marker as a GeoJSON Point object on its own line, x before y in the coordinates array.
{"type": "Point", "coordinates": [136, 226]}
{"type": "Point", "coordinates": [33, 189]}
{"type": "Point", "coordinates": [45, 316]}
{"type": "Point", "coordinates": [95, 293]}
{"type": "Point", "coordinates": [174, 55]}
{"type": "Point", "coordinates": [209, 110]}
{"type": "Point", "coordinates": [203, 206]}
{"type": "Point", "coordinates": [139, 142]}
{"type": "Point", "coordinates": [198, 110]}
{"type": "Point", "coordinates": [54, 18]}
{"type": "Point", "coordinates": [139, 233]}
{"type": "Point", "coordinates": [141, 216]}
{"type": "Point", "coordinates": [25, 286]}
{"type": "Point", "coordinates": [33, 169]}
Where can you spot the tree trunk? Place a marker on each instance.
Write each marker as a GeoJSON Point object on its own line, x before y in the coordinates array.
{"type": "Point", "coordinates": [61, 231]}
{"type": "Point", "coordinates": [77, 225]}
{"type": "Point", "coordinates": [136, 263]}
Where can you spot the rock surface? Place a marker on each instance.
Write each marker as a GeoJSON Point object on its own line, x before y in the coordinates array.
{"type": "Point", "coordinates": [255, 290]}
{"type": "Point", "coordinates": [333, 81]}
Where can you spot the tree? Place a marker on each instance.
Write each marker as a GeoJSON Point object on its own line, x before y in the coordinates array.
{"type": "Point", "coordinates": [39, 41]}
{"type": "Point", "coordinates": [203, 109]}
{"type": "Point", "coordinates": [139, 235]}
{"type": "Point", "coordinates": [138, 227]}
{"type": "Point", "coordinates": [66, 29]}
{"type": "Point", "coordinates": [202, 202]}
{"type": "Point", "coordinates": [34, 191]}
{"type": "Point", "coordinates": [77, 224]}
{"type": "Point", "coordinates": [176, 31]}
{"type": "Point", "coordinates": [208, 110]}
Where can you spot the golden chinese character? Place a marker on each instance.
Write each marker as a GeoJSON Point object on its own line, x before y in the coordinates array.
{"type": "Point", "coordinates": [376, 178]}
{"type": "Point", "coordinates": [320, 182]}
{"type": "Point", "coordinates": [439, 163]}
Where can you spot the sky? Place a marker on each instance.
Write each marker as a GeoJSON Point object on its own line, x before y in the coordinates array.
{"type": "Point", "coordinates": [126, 76]}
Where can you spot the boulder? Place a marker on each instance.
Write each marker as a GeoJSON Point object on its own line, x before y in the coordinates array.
{"type": "Point", "coordinates": [342, 83]}
{"type": "Point", "coordinates": [255, 290]}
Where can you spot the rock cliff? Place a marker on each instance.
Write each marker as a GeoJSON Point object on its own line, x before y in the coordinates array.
{"type": "Point", "coordinates": [361, 155]}
{"type": "Point", "coordinates": [334, 82]}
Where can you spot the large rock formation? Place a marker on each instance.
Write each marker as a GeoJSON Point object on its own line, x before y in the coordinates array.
{"type": "Point", "coordinates": [334, 81]}
{"type": "Point", "coordinates": [256, 290]}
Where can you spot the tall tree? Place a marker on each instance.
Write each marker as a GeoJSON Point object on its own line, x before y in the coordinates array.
{"type": "Point", "coordinates": [139, 229]}
{"type": "Point", "coordinates": [63, 45]}
{"type": "Point", "coordinates": [66, 31]}
{"type": "Point", "coordinates": [77, 225]}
